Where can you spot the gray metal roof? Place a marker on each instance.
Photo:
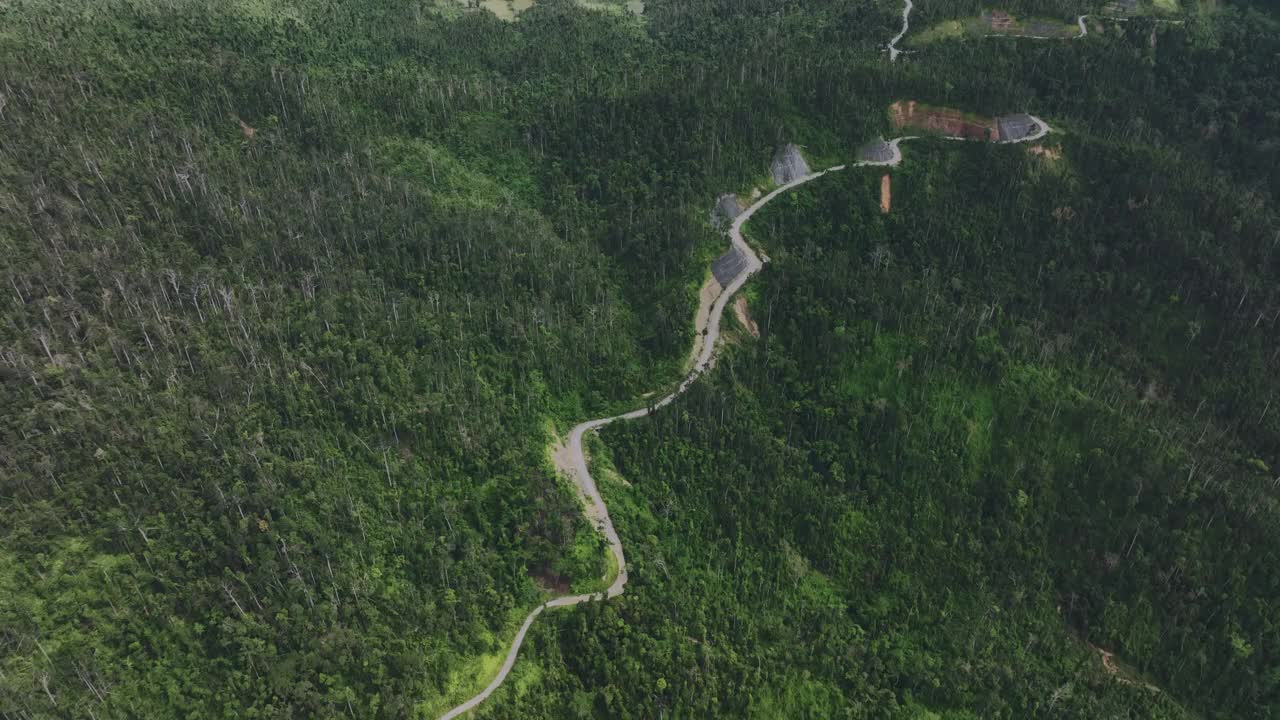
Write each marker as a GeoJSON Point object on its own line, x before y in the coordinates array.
{"type": "Point", "coordinates": [726, 267]}
{"type": "Point", "coordinates": [788, 164]}
{"type": "Point", "coordinates": [1016, 127]}
{"type": "Point", "coordinates": [727, 208]}
{"type": "Point", "coordinates": [876, 151]}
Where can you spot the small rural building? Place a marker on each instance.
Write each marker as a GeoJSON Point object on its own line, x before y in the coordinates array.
{"type": "Point", "coordinates": [878, 151]}
{"type": "Point", "coordinates": [726, 210]}
{"type": "Point", "coordinates": [788, 164]}
{"type": "Point", "coordinates": [726, 267]}
{"type": "Point", "coordinates": [1015, 127]}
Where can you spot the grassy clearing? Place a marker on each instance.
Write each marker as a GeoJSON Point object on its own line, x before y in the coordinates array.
{"type": "Point", "coordinates": [505, 10]}
{"type": "Point", "coordinates": [1033, 27]}
{"type": "Point", "coordinates": [470, 676]}
{"type": "Point", "coordinates": [602, 583]}
{"type": "Point", "coordinates": [978, 28]}
{"type": "Point", "coordinates": [946, 30]}
{"type": "Point", "coordinates": [509, 10]}
{"type": "Point", "coordinates": [632, 7]}
{"type": "Point", "coordinates": [590, 563]}
{"type": "Point", "coordinates": [1146, 8]}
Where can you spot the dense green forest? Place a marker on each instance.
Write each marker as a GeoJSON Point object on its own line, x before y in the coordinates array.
{"type": "Point", "coordinates": [297, 292]}
{"type": "Point", "coordinates": [946, 471]}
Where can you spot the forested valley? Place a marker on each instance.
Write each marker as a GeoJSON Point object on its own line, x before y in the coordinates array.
{"type": "Point", "coordinates": [297, 293]}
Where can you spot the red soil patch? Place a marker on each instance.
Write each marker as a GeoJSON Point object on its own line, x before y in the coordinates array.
{"type": "Point", "coordinates": [944, 120]}
{"type": "Point", "coordinates": [886, 193]}
{"type": "Point", "coordinates": [1001, 20]}
{"type": "Point", "coordinates": [1109, 664]}
{"type": "Point", "coordinates": [1044, 152]}
{"type": "Point", "coordinates": [744, 317]}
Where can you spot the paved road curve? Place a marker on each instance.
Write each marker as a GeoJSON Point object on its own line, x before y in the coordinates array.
{"type": "Point", "coordinates": [570, 459]}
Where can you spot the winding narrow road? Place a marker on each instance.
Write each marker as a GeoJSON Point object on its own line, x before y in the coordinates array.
{"type": "Point", "coordinates": [570, 459]}
{"type": "Point", "coordinates": [894, 52]}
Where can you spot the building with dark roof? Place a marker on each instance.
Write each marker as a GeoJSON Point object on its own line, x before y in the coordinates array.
{"type": "Point", "coordinates": [876, 151]}
{"type": "Point", "coordinates": [788, 164]}
{"type": "Point", "coordinates": [1016, 127]}
{"type": "Point", "coordinates": [727, 208]}
{"type": "Point", "coordinates": [726, 267]}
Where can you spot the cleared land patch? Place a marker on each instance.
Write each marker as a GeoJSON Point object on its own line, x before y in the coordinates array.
{"type": "Point", "coordinates": [509, 10]}
{"type": "Point", "coordinates": [1137, 8]}
{"type": "Point", "coordinates": [1122, 673]}
{"type": "Point", "coordinates": [959, 125]}
{"type": "Point", "coordinates": [743, 314]}
{"type": "Point", "coordinates": [996, 23]}
{"type": "Point", "coordinates": [909, 114]}
{"type": "Point", "coordinates": [999, 22]}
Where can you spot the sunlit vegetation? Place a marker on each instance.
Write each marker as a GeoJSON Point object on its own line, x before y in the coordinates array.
{"type": "Point", "coordinates": [913, 475]}
{"type": "Point", "coordinates": [509, 10]}
{"type": "Point", "coordinates": [995, 24]}
{"type": "Point", "coordinates": [298, 292]}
